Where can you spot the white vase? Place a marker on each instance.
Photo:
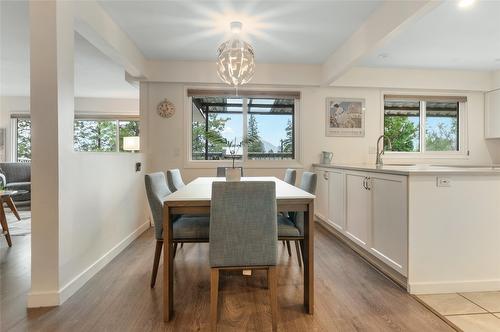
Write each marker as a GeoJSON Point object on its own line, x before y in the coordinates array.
{"type": "Point", "coordinates": [233, 174]}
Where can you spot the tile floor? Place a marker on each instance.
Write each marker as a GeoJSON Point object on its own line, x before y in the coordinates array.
{"type": "Point", "coordinates": [471, 312]}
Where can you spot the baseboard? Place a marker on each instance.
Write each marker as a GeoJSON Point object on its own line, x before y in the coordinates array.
{"type": "Point", "coordinates": [43, 299]}
{"type": "Point", "coordinates": [49, 299]}
{"type": "Point", "coordinates": [454, 286]}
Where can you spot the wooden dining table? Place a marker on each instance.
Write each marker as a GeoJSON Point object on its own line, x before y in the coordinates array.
{"type": "Point", "coordinates": [194, 199]}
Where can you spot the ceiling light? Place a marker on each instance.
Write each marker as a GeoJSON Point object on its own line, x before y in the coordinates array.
{"type": "Point", "coordinates": [465, 3]}
{"type": "Point", "coordinates": [235, 59]}
{"type": "Point", "coordinates": [236, 27]}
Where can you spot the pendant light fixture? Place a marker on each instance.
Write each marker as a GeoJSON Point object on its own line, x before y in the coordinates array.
{"type": "Point", "coordinates": [235, 60]}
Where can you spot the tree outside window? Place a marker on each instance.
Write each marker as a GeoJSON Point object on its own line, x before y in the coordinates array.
{"type": "Point", "coordinates": [269, 130]}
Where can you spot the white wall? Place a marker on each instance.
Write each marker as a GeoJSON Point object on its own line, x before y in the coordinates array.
{"type": "Point", "coordinates": [86, 207]}
{"type": "Point", "coordinates": [21, 104]}
{"type": "Point", "coordinates": [167, 137]}
{"type": "Point", "coordinates": [104, 210]}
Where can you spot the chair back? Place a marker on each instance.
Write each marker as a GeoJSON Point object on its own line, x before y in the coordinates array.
{"type": "Point", "coordinates": [243, 224]}
{"type": "Point", "coordinates": [307, 183]}
{"type": "Point", "coordinates": [157, 190]}
{"type": "Point", "coordinates": [221, 171]}
{"type": "Point", "coordinates": [174, 180]}
{"type": "Point", "coordinates": [290, 176]}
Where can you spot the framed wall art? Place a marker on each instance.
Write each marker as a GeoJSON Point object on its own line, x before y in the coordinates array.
{"type": "Point", "coordinates": [345, 117]}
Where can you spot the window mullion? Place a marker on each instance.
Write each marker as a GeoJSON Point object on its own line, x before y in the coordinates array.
{"type": "Point", "coordinates": [244, 146]}
{"type": "Point", "coordinates": [117, 136]}
{"type": "Point", "coordinates": [423, 118]}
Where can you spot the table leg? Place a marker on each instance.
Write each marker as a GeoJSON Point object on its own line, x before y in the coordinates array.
{"type": "Point", "coordinates": [12, 206]}
{"type": "Point", "coordinates": [168, 267]}
{"type": "Point", "coordinates": [308, 255]}
{"type": "Point", "coordinates": [5, 226]}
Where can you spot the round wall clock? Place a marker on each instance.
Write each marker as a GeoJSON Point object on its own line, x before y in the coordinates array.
{"type": "Point", "coordinates": [166, 109]}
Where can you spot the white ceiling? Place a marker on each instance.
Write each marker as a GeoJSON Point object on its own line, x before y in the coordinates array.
{"type": "Point", "coordinates": [95, 74]}
{"type": "Point", "coordinates": [279, 31]}
{"type": "Point", "coordinates": [449, 37]}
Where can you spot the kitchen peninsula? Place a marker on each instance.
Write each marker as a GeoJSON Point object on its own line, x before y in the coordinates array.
{"type": "Point", "coordinates": [433, 229]}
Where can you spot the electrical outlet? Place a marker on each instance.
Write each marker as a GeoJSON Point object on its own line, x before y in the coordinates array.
{"type": "Point", "coordinates": [138, 167]}
{"type": "Point", "coordinates": [443, 182]}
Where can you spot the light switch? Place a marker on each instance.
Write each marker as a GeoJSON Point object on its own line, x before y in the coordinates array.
{"type": "Point", "coordinates": [443, 182]}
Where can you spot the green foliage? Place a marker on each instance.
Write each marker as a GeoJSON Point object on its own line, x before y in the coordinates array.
{"type": "Point", "coordinates": [254, 143]}
{"type": "Point", "coordinates": [95, 136]}
{"type": "Point", "coordinates": [443, 138]}
{"type": "Point", "coordinates": [216, 141]}
{"type": "Point", "coordinates": [402, 132]}
{"type": "Point", "coordinates": [287, 143]}
{"type": "Point", "coordinates": [23, 139]}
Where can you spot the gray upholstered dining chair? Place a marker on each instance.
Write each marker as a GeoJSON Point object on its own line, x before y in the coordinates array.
{"type": "Point", "coordinates": [243, 235]}
{"type": "Point", "coordinates": [174, 180]}
{"type": "Point", "coordinates": [221, 171]}
{"type": "Point", "coordinates": [290, 176]}
{"type": "Point", "coordinates": [185, 228]}
{"type": "Point", "coordinates": [291, 228]}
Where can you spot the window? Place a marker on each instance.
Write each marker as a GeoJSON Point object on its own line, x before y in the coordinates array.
{"type": "Point", "coordinates": [103, 135]}
{"type": "Point", "coordinates": [423, 124]}
{"type": "Point", "coordinates": [23, 139]}
{"type": "Point", "coordinates": [263, 128]}
{"type": "Point", "coordinates": [90, 135]}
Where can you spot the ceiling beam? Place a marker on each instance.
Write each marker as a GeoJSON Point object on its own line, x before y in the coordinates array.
{"type": "Point", "coordinates": [95, 25]}
{"type": "Point", "coordinates": [388, 19]}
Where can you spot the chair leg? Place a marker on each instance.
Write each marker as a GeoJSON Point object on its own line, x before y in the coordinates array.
{"type": "Point", "coordinates": [288, 248]}
{"type": "Point", "coordinates": [297, 249]}
{"type": "Point", "coordinates": [214, 293]}
{"type": "Point", "coordinates": [302, 249]}
{"type": "Point", "coordinates": [175, 248]}
{"type": "Point", "coordinates": [156, 262]}
{"type": "Point", "coordinates": [272, 281]}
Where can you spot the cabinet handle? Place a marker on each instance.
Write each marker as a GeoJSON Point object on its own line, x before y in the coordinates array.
{"type": "Point", "coordinates": [368, 185]}
{"type": "Point", "coordinates": [325, 175]}
{"type": "Point", "coordinates": [364, 183]}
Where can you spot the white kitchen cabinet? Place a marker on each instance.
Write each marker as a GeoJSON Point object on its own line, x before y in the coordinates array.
{"type": "Point", "coordinates": [492, 114]}
{"type": "Point", "coordinates": [389, 226]}
{"type": "Point", "coordinates": [369, 208]}
{"type": "Point", "coordinates": [321, 201]}
{"type": "Point", "coordinates": [336, 199]}
{"type": "Point", "coordinates": [358, 206]}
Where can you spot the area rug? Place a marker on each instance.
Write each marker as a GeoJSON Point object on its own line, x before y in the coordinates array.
{"type": "Point", "coordinates": [16, 227]}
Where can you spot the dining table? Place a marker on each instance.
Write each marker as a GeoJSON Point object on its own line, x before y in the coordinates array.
{"type": "Point", "coordinates": [194, 199]}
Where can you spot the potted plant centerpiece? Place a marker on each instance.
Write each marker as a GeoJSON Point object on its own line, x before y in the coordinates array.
{"type": "Point", "coordinates": [232, 173]}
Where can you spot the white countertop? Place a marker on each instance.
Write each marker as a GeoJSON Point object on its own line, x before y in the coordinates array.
{"type": "Point", "coordinates": [416, 169]}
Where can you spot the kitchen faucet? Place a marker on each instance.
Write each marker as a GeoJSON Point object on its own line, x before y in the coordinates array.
{"type": "Point", "coordinates": [379, 161]}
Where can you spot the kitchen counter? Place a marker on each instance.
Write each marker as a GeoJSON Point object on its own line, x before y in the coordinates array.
{"type": "Point", "coordinates": [434, 229]}
{"type": "Point", "coordinates": [418, 169]}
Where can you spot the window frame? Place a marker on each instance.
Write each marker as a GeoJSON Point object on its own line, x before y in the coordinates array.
{"type": "Point", "coordinates": [463, 138]}
{"type": "Point", "coordinates": [116, 119]}
{"type": "Point", "coordinates": [15, 116]}
{"type": "Point", "coordinates": [245, 162]}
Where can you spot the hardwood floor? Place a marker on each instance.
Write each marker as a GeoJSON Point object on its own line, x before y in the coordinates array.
{"type": "Point", "coordinates": [350, 295]}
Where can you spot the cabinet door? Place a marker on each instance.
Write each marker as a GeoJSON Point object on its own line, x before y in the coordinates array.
{"type": "Point", "coordinates": [336, 199]}
{"type": "Point", "coordinates": [389, 220]}
{"type": "Point", "coordinates": [492, 114]}
{"type": "Point", "coordinates": [321, 201]}
{"type": "Point", "coordinates": [357, 208]}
